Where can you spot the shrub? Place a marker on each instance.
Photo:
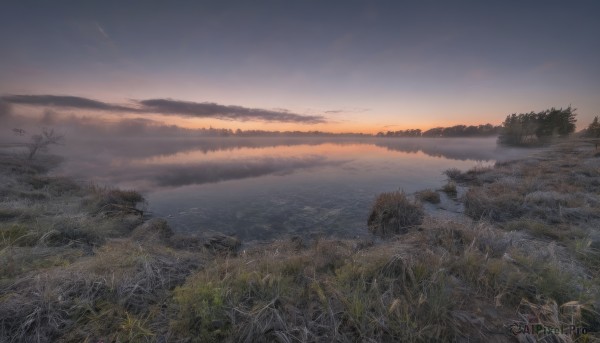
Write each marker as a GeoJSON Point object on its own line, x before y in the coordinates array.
{"type": "Point", "coordinates": [394, 213]}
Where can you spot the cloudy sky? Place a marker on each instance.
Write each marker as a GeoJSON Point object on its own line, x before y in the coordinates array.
{"type": "Point", "coordinates": [301, 65]}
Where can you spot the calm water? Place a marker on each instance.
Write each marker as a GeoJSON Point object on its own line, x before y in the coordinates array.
{"type": "Point", "coordinates": [262, 188]}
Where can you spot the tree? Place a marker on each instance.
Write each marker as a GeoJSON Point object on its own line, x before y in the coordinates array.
{"type": "Point", "coordinates": [594, 130]}
{"type": "Point", "coordinates": [41, 142]}
{"type": "Point", "coordinates": [529, 128]}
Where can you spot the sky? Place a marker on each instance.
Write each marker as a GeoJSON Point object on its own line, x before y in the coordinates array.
{"type": "Point", "coordinates": [340, 66]}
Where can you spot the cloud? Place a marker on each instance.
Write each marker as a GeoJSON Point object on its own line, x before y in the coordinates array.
{"type": "Point", "coordinates": [168, 107]}
{"type": "Point", "coordinates": [66, 101]}
{"type": "Point", "coordinates": [347, 110]}
{"type": "Point", "coordinates": [213, 110]}
{"type": "Point", "coordinates": [102, 32]}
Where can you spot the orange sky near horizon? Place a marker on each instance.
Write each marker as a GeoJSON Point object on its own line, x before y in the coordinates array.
{"type": "Point", "coordinates": [362, 67]}
{"type": "Point", "coordinates": [365, 126]}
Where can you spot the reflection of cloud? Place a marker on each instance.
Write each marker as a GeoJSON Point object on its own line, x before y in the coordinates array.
{"type": "Point", "coordinates": [168, 107]}
{"type": "Point", "coordinates": [130, 162]}
{"type": "Point", "coordinates": [175, 175]}
{"type": "Point", "coordinates": [211, 109]}
{"type": "Point", "coordinates": [209, 172]}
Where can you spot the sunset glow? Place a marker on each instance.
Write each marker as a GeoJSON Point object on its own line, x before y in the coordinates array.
{"type": "Point", "coordinates": [360, 67]}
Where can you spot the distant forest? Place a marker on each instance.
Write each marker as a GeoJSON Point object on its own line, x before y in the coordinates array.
{"type": "Point", "coordinates": [531, 128]}
{"type": "Point", "coordinates": [452, 131]}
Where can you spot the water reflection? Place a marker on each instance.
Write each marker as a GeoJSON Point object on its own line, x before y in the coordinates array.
{"type": "Point", "coordinates": [260, 188]}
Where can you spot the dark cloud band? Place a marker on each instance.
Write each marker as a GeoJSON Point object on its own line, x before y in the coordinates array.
{"type": "Point", "coordinates": [211, 109]}
{"type": "Point", "coordinates": [167, 107]}
{"type": "Point", "coordinates": [65, 101]}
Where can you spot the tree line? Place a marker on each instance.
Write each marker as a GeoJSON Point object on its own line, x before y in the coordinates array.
{"type": "Point", "coordinates": [452, 131]}
{"type": "Point", "coordinates": [537, 128]}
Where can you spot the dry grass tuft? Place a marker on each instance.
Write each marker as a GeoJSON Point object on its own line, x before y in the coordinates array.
{"type": "Point", "coordinates": [113, 202]}
{"type": "Point", "coordinates": [429, 196]}
{"type": "Point", "coordinates": [505, 206]}
{"type": "Point", "coordinates": [393, 213]}
{"type": "Point", "coordinates": [155, 229]}
{"type": "Point", "coordinates": [450, 188]}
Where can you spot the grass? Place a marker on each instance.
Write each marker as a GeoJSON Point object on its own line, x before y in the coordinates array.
{"type": "Point", "coordinates": [450, 188]}
{"type": "Point", "coordinates": [79, 264]}
{"type": "Point", "coordinates": [112, 202]}
{"type": "Point", "coordinates": [429, 195]}
{"type": "Point", "coordinates": [393, 213]}
{"type": "Point", "coordinates": [7, 214]}
{"type": "Point", "coordinates": [339, 298]}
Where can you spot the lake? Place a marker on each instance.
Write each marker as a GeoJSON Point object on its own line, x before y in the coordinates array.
{"type": "Point", "coordinates": [263, 188]}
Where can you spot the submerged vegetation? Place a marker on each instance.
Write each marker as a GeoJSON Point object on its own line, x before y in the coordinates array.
{"type": "Point", "coordinates": [83, 263]}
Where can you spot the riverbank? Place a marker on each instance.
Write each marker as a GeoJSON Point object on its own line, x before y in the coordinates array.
{"type": "Point", "coordinates": [82, 263]}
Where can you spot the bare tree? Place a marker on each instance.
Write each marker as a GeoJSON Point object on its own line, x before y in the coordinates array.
{"type": "Point", "coordinates": [41, 142]}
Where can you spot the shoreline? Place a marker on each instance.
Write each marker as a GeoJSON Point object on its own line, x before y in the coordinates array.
{"type": "Point", "coordinates": [87, 267]}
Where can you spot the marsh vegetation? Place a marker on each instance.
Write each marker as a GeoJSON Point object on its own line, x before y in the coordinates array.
{"type": "Point", "coordinates": [81, 262]}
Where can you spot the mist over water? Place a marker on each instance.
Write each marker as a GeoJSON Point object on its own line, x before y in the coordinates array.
{"type": "Point", "coordinates": [254, 187]}
{"type": "Point", "coordinates": [265, 187]}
